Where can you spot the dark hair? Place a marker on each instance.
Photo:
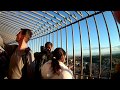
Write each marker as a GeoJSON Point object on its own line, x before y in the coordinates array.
{"type": "Point", "coordinates": [48, 43]}
{"type": "Point", "coordinates": [27, 32]}
{"type": "Point", "coordinates": [42, 48]}
{"type": "Point", "coordinates": [57, 54]}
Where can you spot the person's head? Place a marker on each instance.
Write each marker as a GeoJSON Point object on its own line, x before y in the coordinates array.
{"type": "Point", "coordinates": [58, 55]}
{"type": "Point", "coordinates": [42, 48]}
{"type": "Point", "coordinates": [24, 34]}
{"type": "Point", "coordinates": [48, 46]}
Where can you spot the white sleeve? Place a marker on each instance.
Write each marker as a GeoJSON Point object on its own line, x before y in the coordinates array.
{"type": "Point", "coordinates": [67, 74]}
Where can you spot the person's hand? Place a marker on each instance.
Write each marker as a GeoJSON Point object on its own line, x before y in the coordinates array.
{"type": "Point", "coordinates": [70, 67]}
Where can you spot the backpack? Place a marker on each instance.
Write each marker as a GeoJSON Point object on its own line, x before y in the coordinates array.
{"type": "Point", "coordinates": [4, 64]}
{"type": "Point", "coordinates": [25, 60]}
{"type": "Point", "coordinates": [41, 58]}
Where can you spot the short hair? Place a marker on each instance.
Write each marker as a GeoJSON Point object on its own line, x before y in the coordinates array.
{"type": "Point", "coordinates": [27, 32]}
{"type": "Point", "coordinates": [42, 48]}
{"type": "Point", "coordinates": [48, 43]}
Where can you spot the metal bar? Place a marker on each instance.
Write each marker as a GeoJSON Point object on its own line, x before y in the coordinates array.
{"type": "Point", "coordinates": [34, 45]}
{"type": "Point", "coordinates": [8, 26]}
{"type": "Point", "coordinates": [74, 22]}
{"type": "Point", "coordinates": [26, 17]}
{"type": "Point", "coordinates": [109, 43]}
{"type": "Point", "coordinates": [39, 19]}
{"type": "Point", "coordinates": [66, 43]}
{"type": "Point", "coordinates": [49, 37]}
{"type": "Point", "coordinates": [8, 22]}
{"type": "Point", "coordinates": [37, 44]}
{"type": "Point", "coordinates": [52, 16]}
{"type": "Point", "coordinates": [80, 33]}
{"type": "Point", "coordinates": [53, 39]}
{"type": "Point", "coordinates": [13, 28]}
{"type": "Point", "coordinates": [80, 13]}
{"type": "Point", "coordinates": [31, 44]}
{"type": "Point", "coordinates": [97, 30]}
{"type": "Point", "coordinates": [71, 15]}
{"type": "Point", "coordinates": [12, 19]}
{"type": "Point", "coordinates": [65, 18]}
{"type": "Point", "coordinates": [9, 29]}
{"type": "Point", "coordinates": [43, 40]}
{"type": "Point", "coordinates": [20, 18]}
{"type": "Point", "coordinates": [90, 67]}
{"type": "Point", "coordinates": [43, 17]}
{"type": "Point", "coordinates": [74, 63]}
{"type": "Point", "coordinates": [61, 37]}
{"type": "Point", "coordinates": [46, 28]}
{"type": "Point", "coordinates": [7, 35]}
{"type": "Point", "coordinates": [59, 14]}
{"type": "Point", "coordinates": [57, 37]}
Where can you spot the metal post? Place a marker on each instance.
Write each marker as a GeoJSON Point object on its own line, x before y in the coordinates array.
{"type": "Point", "coordinates": [109, 44]}
{"type": "Point", "coordinates": [90, 67]}
{"type": "Point", "coordinates": [80, 32]}
{"type": "Point", "coordinates": [99, 46]}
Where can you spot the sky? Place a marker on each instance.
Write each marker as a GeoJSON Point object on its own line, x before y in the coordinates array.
{"type": "Point", "coordinates": [104, 42]}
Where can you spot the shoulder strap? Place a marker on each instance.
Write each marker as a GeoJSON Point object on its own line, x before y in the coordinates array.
{"type": "Point", "coordinates": [13, 48]}
{"type": "Point", "coordinates": [43, 58]}
{"type": "Point", "coordinates": [25, 60]}
{"type": "Point", "coordinates": [24, 56]}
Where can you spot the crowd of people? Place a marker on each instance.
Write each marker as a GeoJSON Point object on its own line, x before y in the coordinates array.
{"type": "Point", "coordinates": [19, 62]}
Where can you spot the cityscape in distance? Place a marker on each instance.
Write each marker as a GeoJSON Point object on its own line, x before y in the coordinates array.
{"type": "Point", "coordinates": [105, 62]}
